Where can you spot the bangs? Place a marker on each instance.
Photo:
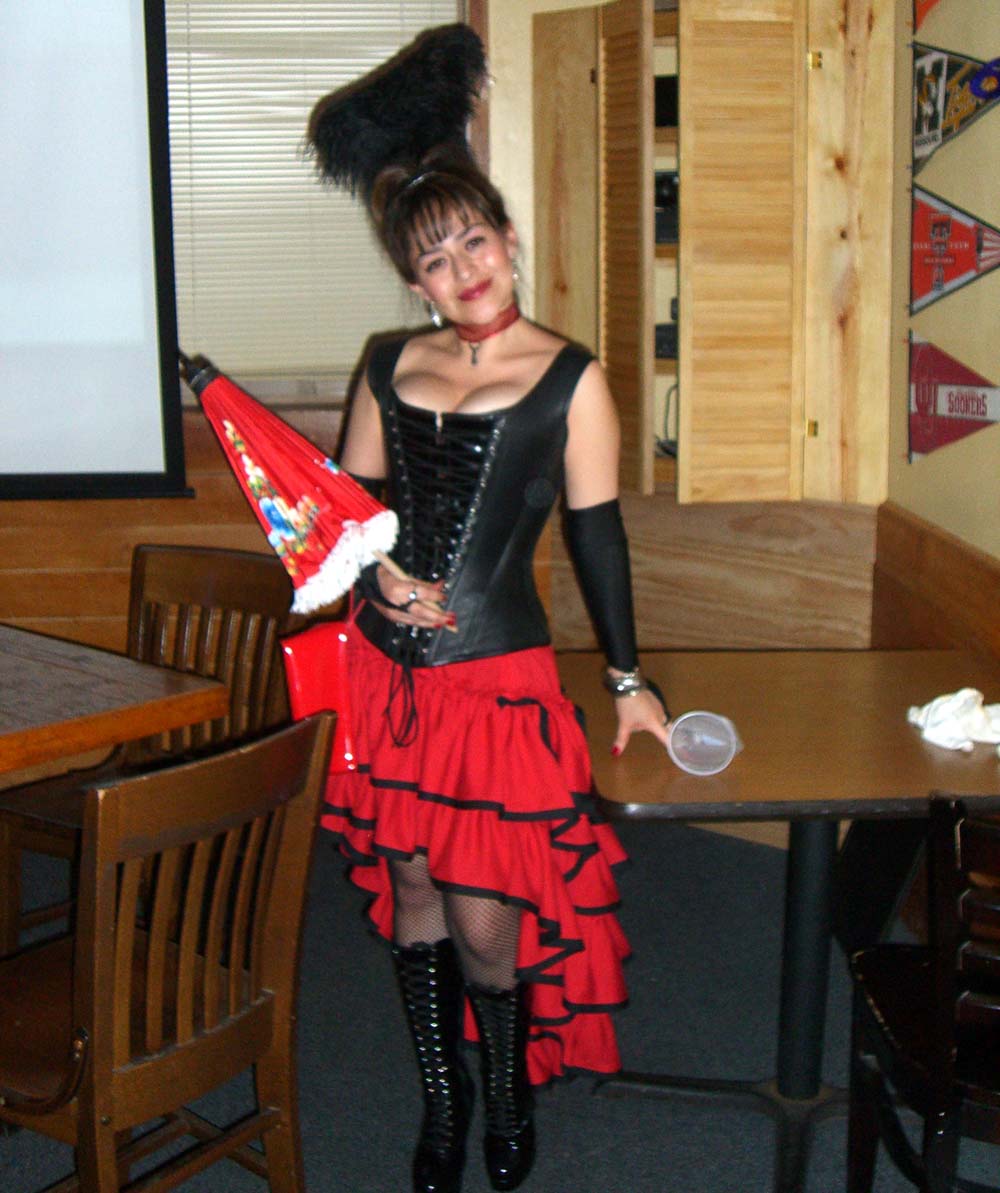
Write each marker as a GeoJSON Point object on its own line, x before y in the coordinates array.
{"type": "Point", "coordinates": [437, 215]}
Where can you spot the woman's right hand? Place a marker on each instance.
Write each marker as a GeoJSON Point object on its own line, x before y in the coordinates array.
{"type": "Point", "coordinates": [413, 602]}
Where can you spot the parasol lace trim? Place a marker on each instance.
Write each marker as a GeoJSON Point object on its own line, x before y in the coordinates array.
{"type": "Point", "coordinates": [353, 550]}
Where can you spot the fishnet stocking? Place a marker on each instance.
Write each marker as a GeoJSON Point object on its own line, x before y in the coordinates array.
{"type": "Point", "coordinates": [484, 931]}
{"type": "Point", "coordinates": [485, 934]}
{"type": "Point", "coordinates": [418, 916]}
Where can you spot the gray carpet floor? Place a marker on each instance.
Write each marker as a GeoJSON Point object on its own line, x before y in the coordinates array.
{"type": "Point", "coordinates": [703, 913]}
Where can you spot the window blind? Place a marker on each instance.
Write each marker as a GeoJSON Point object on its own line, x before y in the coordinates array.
{"type": "Point", "coordinates": [277, 275]}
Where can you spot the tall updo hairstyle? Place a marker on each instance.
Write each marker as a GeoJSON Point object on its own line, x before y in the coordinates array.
{"type": "Point", "coordinates": [413, 209]}
{"type": "Point", "coordinates": [396, 139]}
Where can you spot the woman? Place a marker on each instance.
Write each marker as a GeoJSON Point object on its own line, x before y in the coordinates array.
{"type": "Point", "coordinates": [469, 817]}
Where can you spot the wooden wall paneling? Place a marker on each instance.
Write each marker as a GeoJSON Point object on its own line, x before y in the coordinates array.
{"type": "Point", "coordinates": [744, 575]}
{"type": "Point", "coordinates": [741, 227]}
{"type": "Point", "coordinates": [565, 268]}
{"type": "Point", "coordinates": [932, 589]}
{"type": "Point", "coordinates": [64, 565]}
{"type": "Point", "coordinates": [477, 15]}
{"type": "Point", "coordinates": [626, 221]}
{"type": "Point", "coordinates": [849, 249]}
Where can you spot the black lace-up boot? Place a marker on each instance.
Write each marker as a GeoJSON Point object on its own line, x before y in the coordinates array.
{"type": "Point", "coordinates": [431, 983]}
{"type": "Point", "coordinates": [509, 1144]}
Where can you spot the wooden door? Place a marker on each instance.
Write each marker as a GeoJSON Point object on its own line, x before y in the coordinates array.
{"type": "Point", "coordinates": [626, 227]}
{"type": "Point", "coordinates": [742, 98]}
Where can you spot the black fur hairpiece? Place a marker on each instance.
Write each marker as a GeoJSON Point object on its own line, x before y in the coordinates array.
{"type": "Point", "coordinates": [421, 98]}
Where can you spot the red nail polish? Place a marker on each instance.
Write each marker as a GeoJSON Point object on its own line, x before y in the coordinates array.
{"type": "Point", "coordinates": [615, 751]}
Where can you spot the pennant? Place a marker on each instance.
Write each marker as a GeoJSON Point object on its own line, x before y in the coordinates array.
{"type": "Point", "coordinates": [920, 10]}
{"type": "Point", "coordinates": [949, 92]}
{"type": "Point", "coordinates": [947, 400]}
{"type": "Point", "coordinates": [950, 248]}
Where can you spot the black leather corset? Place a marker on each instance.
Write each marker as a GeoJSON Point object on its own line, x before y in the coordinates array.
{"type": "Point", "coordinates": [473, 493]}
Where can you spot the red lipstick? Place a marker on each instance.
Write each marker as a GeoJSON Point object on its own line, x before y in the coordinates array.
{"type": "Point", "coordinates": [474, 292]}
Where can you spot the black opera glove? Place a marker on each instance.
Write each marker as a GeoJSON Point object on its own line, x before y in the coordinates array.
{"type": "Point", "coordinates": [599, 550]}
{"type": "Point", "coordinates": [598, 547]}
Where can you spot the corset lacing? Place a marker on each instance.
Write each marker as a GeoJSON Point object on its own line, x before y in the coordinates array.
{"type": "Point", "coordinates": [442, 465]}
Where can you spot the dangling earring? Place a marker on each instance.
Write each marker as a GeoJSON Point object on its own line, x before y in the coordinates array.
{"type": "Point", "coordinates": [435, 314]}
{"type": "Point", "coordinates": [515, 273]}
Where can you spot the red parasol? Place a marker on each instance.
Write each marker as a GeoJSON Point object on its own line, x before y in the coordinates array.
{"type": "Point", "coordinates": [322, 524]}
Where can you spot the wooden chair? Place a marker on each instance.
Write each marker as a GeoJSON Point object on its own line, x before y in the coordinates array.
{"type": "Point", "coordinates": [207, 610]}
{"type": "Point", "coordinates": [926, 1028]}
{"type": "Point", "coordinates": [171, 988]}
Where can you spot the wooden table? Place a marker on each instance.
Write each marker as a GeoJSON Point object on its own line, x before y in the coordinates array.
{"type": "Point", "coordinates": [825, 738]}
{"type": "Point", "coordinates": [60, 698]}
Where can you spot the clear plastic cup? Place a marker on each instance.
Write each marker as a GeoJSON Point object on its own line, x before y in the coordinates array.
{"type": "Point", "coordinates": [703, 743]}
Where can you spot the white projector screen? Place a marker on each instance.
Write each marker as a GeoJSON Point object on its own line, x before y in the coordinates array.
{"type": "Point", "coordinates": [89, 390]}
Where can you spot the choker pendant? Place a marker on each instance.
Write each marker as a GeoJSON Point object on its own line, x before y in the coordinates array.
{"type": "Point", "coordinates": [473, 334]}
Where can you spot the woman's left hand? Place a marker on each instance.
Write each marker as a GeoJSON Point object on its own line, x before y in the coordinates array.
{"type": "Point", "coordinates": [643, 711]}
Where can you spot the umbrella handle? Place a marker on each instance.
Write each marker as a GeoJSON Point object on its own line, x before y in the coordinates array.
{"type": "Point", "coordinates": [393, 568]}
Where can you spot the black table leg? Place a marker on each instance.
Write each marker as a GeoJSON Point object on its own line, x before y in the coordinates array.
{"type": "Point", "coordinates": [796, 1098]}
{"type": "Point", "coordinates": [805, 977]}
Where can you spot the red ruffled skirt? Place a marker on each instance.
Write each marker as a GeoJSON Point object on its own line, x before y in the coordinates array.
{"type": "Point", "coordinates": [495, 789]}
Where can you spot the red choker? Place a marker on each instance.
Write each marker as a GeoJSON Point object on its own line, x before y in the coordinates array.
{"type": "Point", "coordinates": [474, 333]}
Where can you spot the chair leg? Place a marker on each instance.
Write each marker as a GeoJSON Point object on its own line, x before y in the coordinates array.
{"type": "Point", "coordinates": [940, 1151]}
{"type": "Point", "coordinates": [96, 1157]}
{"type": "Point", "coordinates": [862, 1124]}
{"type": "Point", "coordinates": [10, 889]}
{"type": "Point", "coordinates": [276, 1084]}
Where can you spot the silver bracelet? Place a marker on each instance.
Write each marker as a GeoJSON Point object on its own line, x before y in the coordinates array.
{"type": "Point", "coordinates": [627, 684]}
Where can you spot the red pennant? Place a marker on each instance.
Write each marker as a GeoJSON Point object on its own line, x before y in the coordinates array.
{"type": "Point", "coordinates": [950, 248]}
{"type": "Point", "coordinates": [948, 400]}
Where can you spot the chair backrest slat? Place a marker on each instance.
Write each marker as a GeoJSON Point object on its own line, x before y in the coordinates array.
{"type": "Point", "coordinates": [190, 938]}
{"type": "Point", "coordinates": [236, 656]}
{"type": "Point", "coordinates": [215, 932]}
{"type": "Point", "coordinates": [187, 639]}
{"type": "Point", "coordinates": [163, 896]}
{"type": "Point", "coordinates": [257, 934]}
{"type": "Point", "coordinates": [238, 944]}
{"type": "Point", "coordinates": [129, 884]}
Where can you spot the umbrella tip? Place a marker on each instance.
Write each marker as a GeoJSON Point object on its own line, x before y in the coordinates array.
{"type": "Point", "coordinates": [197, 371]}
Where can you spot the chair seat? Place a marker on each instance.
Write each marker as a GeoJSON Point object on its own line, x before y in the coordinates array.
{"type": "Point", "coordinates": [896, 982]}
{"type": "Point", "coordinates": [34, 1049]}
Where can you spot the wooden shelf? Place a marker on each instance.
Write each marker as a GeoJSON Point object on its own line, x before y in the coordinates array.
{"type": "Point", "coordinates": [665, 28]}
{"type": "Point", "coordinates": [665, 137]}
{"type": "Point", "coordinates": [665, 366]}
{"type": "Point", "coordinates": [665, 472]}
{"type": "Point", "coordinates": [666, 250]}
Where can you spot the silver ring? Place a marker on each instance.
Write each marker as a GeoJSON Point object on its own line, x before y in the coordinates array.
{"type": "Point", "coordinates": [411, 598]}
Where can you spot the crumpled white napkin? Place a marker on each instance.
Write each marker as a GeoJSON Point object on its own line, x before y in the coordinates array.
{"type": "Point", "coordinates": [957, 720]}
